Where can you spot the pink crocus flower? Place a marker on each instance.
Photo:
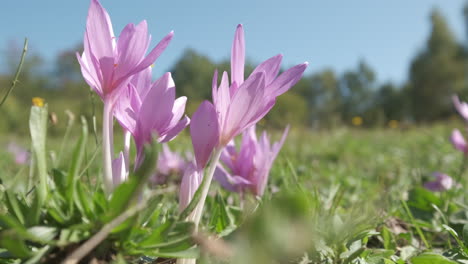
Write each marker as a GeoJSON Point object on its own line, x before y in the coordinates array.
{"type": "Point", "coordinates": [148, 108]}
{"type": "Point", "coordinates": [241, 104]}
{"type": "Point", "coordinates": [462, 107]}
{"type": "Point", "coordinates": [169, 163]}
{"type": "Point", "coordinates": [250, 166]}
{"type": "Point", "coordinates": [442, 182]}
{"type": "Point", "coordinates": [237, 105]}
{"type": "Point", "coordinates": [108, 63]}
{"type": "Point", "coordinates": [458, 141]}
{"type": "Point", "coordinates": [20, 154]}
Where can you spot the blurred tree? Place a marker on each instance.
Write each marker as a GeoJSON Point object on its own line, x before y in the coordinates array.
{"type": "Point", "coordinates": [323, 97]}
{"type": "Point", "coordinates": [393, 101]}
{"type": "Point", "coordinates": [357, 89]}
{"type": "Point", "coordinates": [290, 108]}
{"type": "Point", "coordinates": [67, 69]}
{"type": "Point", "coordinates": [436, 73]}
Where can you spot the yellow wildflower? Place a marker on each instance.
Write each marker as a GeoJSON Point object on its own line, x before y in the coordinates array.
{"type": "Point", "coordinates": [38, 101]}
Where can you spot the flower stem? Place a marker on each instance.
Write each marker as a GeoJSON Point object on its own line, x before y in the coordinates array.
{"type": "Point", "coordinates": [107, 148]}
{"type": "Point", "coordinates": [126, 151]}
{"type": "Point", "coordinates": [206, 187]}
{"type": "Point", "coordinates": [196, 214]}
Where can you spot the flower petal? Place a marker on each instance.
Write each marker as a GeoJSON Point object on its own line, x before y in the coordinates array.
{"type": "Point", "coordinates": [245, 108]}
{"type": "Point", "coordinates": [119, 172]}
{"type": "Point", "coordinates": [204, 130]}
{"type": "Point", "coordinates": [271, 68]}
{"type": "Point", "coordinates": [131, 48]}
{"type": "Point", "coordinates": [287, 79]}
{"type": "Point", "coordinates": [458, 141]}
{"type": "Point", "coordinates": [178, 110]}
{"type": "Point", "coordinates": [142, 82]}
{"type": "Point", "coordinates": [156, 109]}
{"type": "Point", "coordinates": [89, 75]}
{"type": "Point", "coordinates": [154, 53]}
{"type": "Point", "coordinates": [190, 182]}
{"type": "Point", "coordinates": [462, 107]}
{"type": "Point", "coordinates": [127, 108]}
{"type": "Point", "coordinates": [223, 98]}
{"type": "Point", "coordinates": [175, 130]}
{"type": "Point", "coordinates": [99, 31]}
{"type": "Point", "coordinates": [232, 183]}
{"type": "Point", "coordinates": [238, 56]}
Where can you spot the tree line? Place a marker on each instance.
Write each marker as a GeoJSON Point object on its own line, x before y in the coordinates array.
{"type": "Point", "coordinates": [322, 99]}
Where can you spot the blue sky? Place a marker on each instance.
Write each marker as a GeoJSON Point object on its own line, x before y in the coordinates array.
{"type": "Point", "coordinates": [335, 34]}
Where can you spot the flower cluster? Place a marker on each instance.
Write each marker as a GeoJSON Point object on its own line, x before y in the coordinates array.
{"type": "Point", "coordinates": [119, 70]}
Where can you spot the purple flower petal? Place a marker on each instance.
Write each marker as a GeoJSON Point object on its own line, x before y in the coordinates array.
{"type": "Point", "coordinates": [287, 79]}
{"type": "Point", "coordinates": [190, 182]}
{"type": "Point", "coordinates": [99, 30]}
{"type": "Point", "coordinates": [458, 141]}
{"type": "Point", "coordinates": [119, 172]}
{"type": "Point", "coordinates": [204, 130]}
{"type": "Point", "coordinates": [154, 53]}
{"type": "Point", "coordinates": [443, 182]}
{"type": "Point", "coordinates": [175, 130]}
{"type": "Point", "coordinates": [230, 183]}
{"type": "Point", "coordinates": [271, 68]}
{"type": "Point", "coordinates": [132, 46]}
{"type": "Point", "coordinates": [156, 115]}
{"type": "Point", "coordinates": [238, 56]}
{"type": "Point", "coordinates": [462, 107]}
{"type": "Point", "coordinates": [246, 107]}
{"type": "Point", "coordinates": [20, 154]}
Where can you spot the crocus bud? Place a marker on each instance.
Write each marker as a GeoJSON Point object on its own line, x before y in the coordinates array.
{"type": "Point", "coordinates": [443, 182]}
{"type": "Point", "coordinates": [462, 107]}
{"type": "Point", "coordinates": [119, 171]}
{"type": "Point", "coordinates": [190, 182]}
{"type": "Point", "coordinates": [458, 141]}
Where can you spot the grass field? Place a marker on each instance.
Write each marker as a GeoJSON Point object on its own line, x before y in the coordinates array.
{"type": "Point", "coordinates": [346, 195]}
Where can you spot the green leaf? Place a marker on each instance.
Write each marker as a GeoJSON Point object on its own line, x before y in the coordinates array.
{"type": "Point", "coordinates": [129, 190]}
{"type": "Point", "coordinates": [387, 237]}
{"type": "Point", "coordinates": [38, 255]}
{"type": "Point", "coordinates": [76, 161]}
{"type": "Point", "coordinates": [465, 234]}
{"type": "Point", "coordinates": [43, 234]}
{"type": "Point", "coordinates": [84, 201]}
{"type": "Point", "coordinates": [187, 253]}
{"type": "Point", "coordinates": [121, 197]}
{"type": "Point", "coordinates": [15, 207]}
{"type": "Point", "coordinates": [7, 221]}
{"type": "Point", "coordinates": [454, 235]}
{"type": "Point", "coordinates": [431, 258]}
{"type": "Point", "coordinates": [156, 236]}
{"type": "Point", "coordinates": [60, 180]}
{"type": "Point", "coordinates": [220, 219]}
{"type": "Point", "coordinates": [68, 236]}
{"type": "Point", "coordinates": [38, 130]}
{"type": "Point", "coordinates": [170, 238]}
{"type": "Point", "coordinates": [10, 240]}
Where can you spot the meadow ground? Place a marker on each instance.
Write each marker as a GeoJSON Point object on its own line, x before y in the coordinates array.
{"type": "Point", "coordinates": [347, 195]}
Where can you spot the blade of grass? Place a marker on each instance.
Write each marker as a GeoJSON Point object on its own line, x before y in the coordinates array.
{"type": "Point", "coordinates": [18, 70]}
{"type": "Point", "coordinates": [71, 121]}
{"type": "Point", "coordinates": [413, 221]}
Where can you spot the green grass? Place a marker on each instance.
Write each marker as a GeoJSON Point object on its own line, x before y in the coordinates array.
{"type": "Point", "coordinates": [347, 195]}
